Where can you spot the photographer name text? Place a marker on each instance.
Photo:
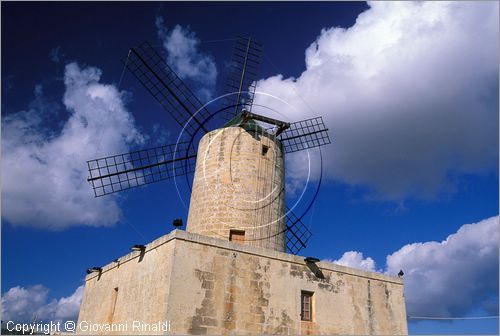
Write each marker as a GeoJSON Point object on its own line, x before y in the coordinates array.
{"type": "Point", "coordinates": [88, 326]}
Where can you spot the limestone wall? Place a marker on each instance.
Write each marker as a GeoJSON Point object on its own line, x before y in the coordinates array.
{"type": "Point", "coordinates": [239, 184]}
{"type": "Point", "coordinates": [142, 281]}
{"type": "Point", "coordinates": [203, 285]}
{"type": "Point", "coordinates": [236, 290]}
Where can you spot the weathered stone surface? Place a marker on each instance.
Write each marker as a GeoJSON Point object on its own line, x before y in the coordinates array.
{"type": "Point", "coordinates": [204, 285]}
{"type": "Point", "coordinates": [238, 186]}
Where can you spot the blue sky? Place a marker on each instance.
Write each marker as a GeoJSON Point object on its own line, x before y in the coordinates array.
{"type": "Point", "coordinates": [408, 90]}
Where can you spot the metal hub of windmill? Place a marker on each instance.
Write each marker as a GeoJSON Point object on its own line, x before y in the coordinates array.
{"type": "Point", "coordinates": [120, 172]}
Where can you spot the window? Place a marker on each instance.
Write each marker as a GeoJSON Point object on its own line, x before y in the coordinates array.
{"type": "Point", "coordinates": [265, 149]}
{"type": "Point", "coordinates": [237, 235]}
{"type": "Point", "coordinates": [306, 306]}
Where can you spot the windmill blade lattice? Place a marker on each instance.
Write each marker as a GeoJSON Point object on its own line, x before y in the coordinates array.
{"type": "Point", "coordinates": [297, 234]}
{"type": "Point", "coordinates": [167, 88]}
{"type": "Point", "coordinates": [242, 76]}
{"type": "Point", "coordinates": [304, 134]}
{"type": "Point", "coordinates": [124, 171]}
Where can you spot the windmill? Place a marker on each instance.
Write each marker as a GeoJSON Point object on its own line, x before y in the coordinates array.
{"type": "Point", "coordinates": [238, 184]}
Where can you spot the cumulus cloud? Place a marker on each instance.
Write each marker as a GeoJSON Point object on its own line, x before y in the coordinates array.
{"type": "Point", "coordinates": [409, 93]}
{"type": "Point", "coordinates": [185, 58]}
{"type": "Point", "coordinates": [160, 134]}
{"type": "Point", "coordinates": [451, 277]}
{"type": "Point", "coordinates": [355, 260]}
{"type": "Point", "coordinates": [44, 171]}
{"type": "Point", "coordinates": [21, 304]}
{"type": "Point", "coordinates": [445, 279]}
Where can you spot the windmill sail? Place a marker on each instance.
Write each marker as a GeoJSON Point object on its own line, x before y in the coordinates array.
{"type": "Point", "coordinates": [124, 171]}
{"type": "Point", "coordinates": [168, 89]}
{"type": "Point", "coordinates": [241, 78]}
{"type": "Point", "coordinates": [297, 234]}
{"type": "Point", "coordinates": [304, 134]}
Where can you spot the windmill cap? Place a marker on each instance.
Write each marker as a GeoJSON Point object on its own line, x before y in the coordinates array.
{"type": "Point", "coordinates": [247, 121]}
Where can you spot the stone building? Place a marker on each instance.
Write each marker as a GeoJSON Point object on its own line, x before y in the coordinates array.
{"type": "Point", "coordinates": [229, 274]}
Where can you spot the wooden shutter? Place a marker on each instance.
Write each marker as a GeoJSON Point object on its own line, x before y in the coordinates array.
{"type": "Point", "coordinates": [306, 306]}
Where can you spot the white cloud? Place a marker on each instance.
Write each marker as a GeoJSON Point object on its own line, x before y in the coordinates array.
{"type": "Point", "coordinates": [451, 277]}
{"type": "Point", "coordinates": [21, 304]}
{"type": "Point", "coordinates": [445, 279]}
{"type": "Point", "coordinates": [160, 134]}
{"type": "Point", "coordinates": [409, 92]}
{"type": "Point", "coordinates": [355, 260]}
{"type": "Point", "coordinates": [44, 172]}
{"type": "Point", "coordinates": [186, 60]}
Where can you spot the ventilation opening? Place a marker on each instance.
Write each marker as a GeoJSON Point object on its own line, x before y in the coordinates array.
{"type": "Point", "coordinates": [265, 149]}
{"type": "Point", "coordinates": [237, 235]}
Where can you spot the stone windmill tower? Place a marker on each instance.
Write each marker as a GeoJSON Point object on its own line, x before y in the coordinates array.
{"type": "Point", "coordinates": [238, 188]}
{"type": "Point", "coordinates": [234, 270]}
